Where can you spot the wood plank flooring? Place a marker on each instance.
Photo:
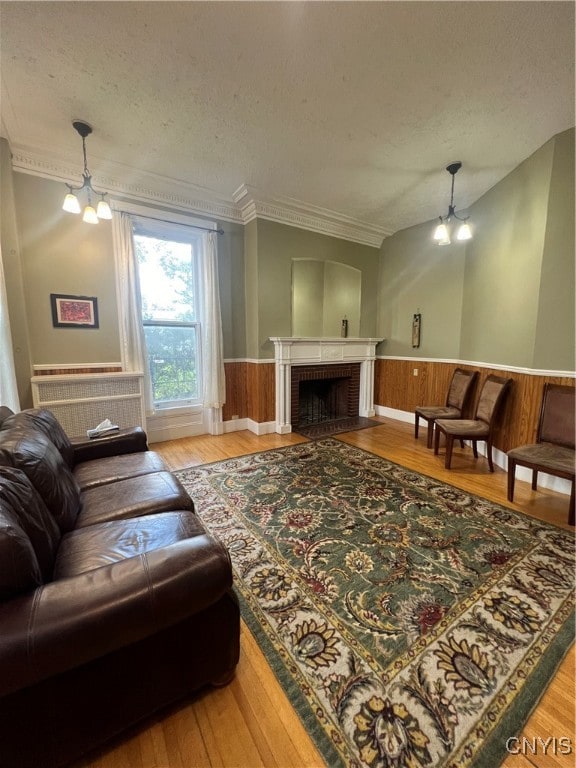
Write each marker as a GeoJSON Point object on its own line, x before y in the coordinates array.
{"type": "Point", "coordinates": [250, 723]}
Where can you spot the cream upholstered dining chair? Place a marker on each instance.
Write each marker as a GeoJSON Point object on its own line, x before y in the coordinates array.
{"type": "Point", "coordinates": [481, 427]}
{"type": "Point", "coordinates": [553, 451]}
{"type": "Point", "coordinates": [457, 400]}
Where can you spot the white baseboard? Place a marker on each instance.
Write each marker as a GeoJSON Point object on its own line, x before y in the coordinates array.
{"type": "Point", "coordinates": [258, 428]}
{"type": "Point", "coordinates": [393, 413]}
{"type": "Point", "coordinates": [235, 425]}
{"type": "Point", "coordinates": [499, 458]}
{"type": "Point", "coordinates": [263, 428]}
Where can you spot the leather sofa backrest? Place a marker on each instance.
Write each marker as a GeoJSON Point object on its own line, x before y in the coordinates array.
{"type": "Point", "coordinates": [37, 456]}
{"type": "Point", "coordinates": [44, 421]}
{"type": "Point", "coordinates": [19, 569]}
{"type": "Point", "coordinates": [5, 412]}
{"type": "Point", "coordinates": [29, 536]}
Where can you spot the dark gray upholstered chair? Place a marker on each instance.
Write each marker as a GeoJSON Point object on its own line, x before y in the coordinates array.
{"type": "Point", "coordinates": [457, 400]}
{"type": "Point", "coordinates": [553, 451]}
{"type": "Point", "coordinates": [481, 427]}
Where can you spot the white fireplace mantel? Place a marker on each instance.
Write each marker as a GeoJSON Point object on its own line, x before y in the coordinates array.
{"type": "Point", "coordinates": [290, 350]}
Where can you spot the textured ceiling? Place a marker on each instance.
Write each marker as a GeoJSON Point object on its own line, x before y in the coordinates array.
{"type": "Point", "coordinates": [353, 107]}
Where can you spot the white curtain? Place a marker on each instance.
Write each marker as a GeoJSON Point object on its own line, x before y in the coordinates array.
{"type": "Point", "coordinates": [214, 394]}
{"type": "Point", "coordinates": [133, 342]}
{"type": "Point", "coordinates": [8, 388]}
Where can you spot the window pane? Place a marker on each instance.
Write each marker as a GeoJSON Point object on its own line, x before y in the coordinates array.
{"type": "Point", "coordinates": [173, 357]}
{"type": "Point", "coordinates": [166, 279]}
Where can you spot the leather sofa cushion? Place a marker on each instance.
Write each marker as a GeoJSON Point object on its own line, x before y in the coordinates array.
{"type": "Point", "coordinates": [44, 421]}
{"type": "Point", "coordinates": [18, 494]}
{"type": "Point", "coordinates": [133, 497]}
{"type": "Point", "coordinates": [130, 440]}
{"type": "Point", "coordinates": [42, 463]}
{"type": "Point", "coordinates": [89, 474]}
{"type": "Point", "coordinates": [107, 543]}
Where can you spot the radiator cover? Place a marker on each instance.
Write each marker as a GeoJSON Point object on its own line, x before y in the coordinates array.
{"type": "Point", "coordinates": [81, 401]}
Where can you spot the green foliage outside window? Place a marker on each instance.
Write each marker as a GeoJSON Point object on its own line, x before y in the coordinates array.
{"type": "Point", "coordinates": [171, 328]}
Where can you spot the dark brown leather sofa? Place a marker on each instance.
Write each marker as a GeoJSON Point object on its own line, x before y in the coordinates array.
{"type": "Point", "coordinates": [114, 599]}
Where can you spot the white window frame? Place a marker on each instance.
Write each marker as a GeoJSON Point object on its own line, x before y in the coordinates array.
{"type": "Point", "coordinates": [144, 227]}
{"type": "Point", "coordinates": [183, 420]}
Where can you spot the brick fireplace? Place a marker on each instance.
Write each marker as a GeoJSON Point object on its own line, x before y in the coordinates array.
{"type": "Point", "coordinates": [347, 363]}
{"type": "Point", "coordinates": [321, 393]}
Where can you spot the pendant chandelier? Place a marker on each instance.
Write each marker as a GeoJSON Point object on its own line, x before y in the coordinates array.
{"type": "Point", "coordinates": [442, 231]}
{"type": "Point", "coordinates": [71, 203]}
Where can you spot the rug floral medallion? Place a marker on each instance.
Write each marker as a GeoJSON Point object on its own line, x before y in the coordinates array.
{"type": "Point", "coordinates": [411, 624]}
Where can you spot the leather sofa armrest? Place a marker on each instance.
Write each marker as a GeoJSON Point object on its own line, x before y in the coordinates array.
{"type": "Point", "coordinates": [70, 622]}
{"type": "Point", "coordinates": [131, 440]}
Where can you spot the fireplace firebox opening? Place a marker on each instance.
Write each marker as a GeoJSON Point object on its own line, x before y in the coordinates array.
{"type": "Point", "coordinates": [322, 400]}
{"type": "Point", "coordinates": [324, 393]}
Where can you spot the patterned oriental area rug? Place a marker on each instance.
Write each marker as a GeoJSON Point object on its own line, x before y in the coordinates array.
{"type": "Point", "coordinates": [410, 623]}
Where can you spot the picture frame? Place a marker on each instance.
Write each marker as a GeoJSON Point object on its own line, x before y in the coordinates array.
{"type": "Point", "coordinates": [74, 311]}
{"type": "Point", "coordinates": [416, 323]}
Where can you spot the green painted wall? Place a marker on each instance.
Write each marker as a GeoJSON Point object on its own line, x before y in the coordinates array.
{"type": "Point", "coordinates": [252, 283]}
{"type": "Point", "coordinates": [418, 276]}
{"type": "Point", "coordinates": [324, 293]}
{"type": "Point", "coordinates": [14, 278]}
{"type": "Point", "coordinates": [503, 265]}
{"type": "Point", "coordinates": [62, 254]}
{"type": "Point", "coordinates": [507, 296]}
{"type": "Point", "coordinates": [307, 297]}
{"type": "Point", "coordinates": [232, 293]}
{"type": "Point", "coordinates": [555, 344]}
{"type": "Point", "coordinates": [277, 245]}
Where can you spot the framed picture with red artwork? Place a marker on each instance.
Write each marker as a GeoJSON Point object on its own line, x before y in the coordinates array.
{"type": "Point", "coordinates": [74, 311]}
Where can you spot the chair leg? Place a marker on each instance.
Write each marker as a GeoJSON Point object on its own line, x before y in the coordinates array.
{"type": "Point", "coordinates": [430, 433]}
{"type": "Point", "coordinates": [534, 479]}
{"type": "Point", "coordinates": [489, 452]}
{"type": "Point", "coordinates": [571, 515]}
{"type": "Point", "coordinates": [449, 446]}
{"type": "Point", "coordinates": [416, 425]}
{"type": "Point", "coordinates": [475, 448]}
{"type": "Point", "coordinates": [436, 440]}
{"type": "Point", "coordinates": [511, 478]}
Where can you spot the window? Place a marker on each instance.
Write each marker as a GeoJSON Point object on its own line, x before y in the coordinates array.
{"type": "Point", "coordinates": [168, 256]}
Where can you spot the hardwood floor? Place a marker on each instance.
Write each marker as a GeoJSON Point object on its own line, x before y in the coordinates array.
{"type": "Point", "coordinates": [250, 723]}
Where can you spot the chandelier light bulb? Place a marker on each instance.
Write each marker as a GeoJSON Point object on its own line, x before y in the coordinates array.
{"type": "Point", "coordinates": [441, 234]}
{"type": "Point", "coordinates": [464, 232]}
{"type": "Point", "coordinates": [71, 204]}
{"type": "Point", "coordinates": [103, 211]}
{"type": "Point", "coordinates": [90, 216]}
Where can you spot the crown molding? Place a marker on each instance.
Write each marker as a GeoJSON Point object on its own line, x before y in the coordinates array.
{"type": "Point", "coordinates": [247, 203]}
{"type": "Point", "coordinates": [127, 182]}
{"type": "Point", "coordinates": [286, 210]}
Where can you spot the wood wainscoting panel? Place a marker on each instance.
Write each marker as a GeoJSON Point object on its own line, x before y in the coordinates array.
{"type": "Point", "coordinates": [261, 391]}
{"type": "Point", "coordinates": [236, 391]}
{"type": "Point", "coordinates": [397, 387]}
{"type": "Point", "coordinates": [250, 391]}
